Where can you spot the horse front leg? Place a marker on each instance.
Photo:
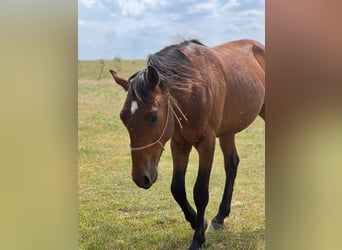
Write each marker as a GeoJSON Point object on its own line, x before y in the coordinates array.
{"type": "Point", "coordinates": [205, 150]}
{"type": "Point", "coordinates": [180, 155]}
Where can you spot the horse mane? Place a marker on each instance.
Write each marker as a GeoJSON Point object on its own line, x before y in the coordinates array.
{"type": "Point", "coordinates": [175, 70]}
{"type": "Point", "coordinates": [196, 41]}
{"type": "Point", "coordinates": [138, 87]}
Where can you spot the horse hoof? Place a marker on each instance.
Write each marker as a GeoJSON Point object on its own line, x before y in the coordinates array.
{"type": "Point", "coordinates": [194, 248]}
{"type": "Point", "coordinates": [196, 245]}
{"type": "Point", "coordinates": [215, 227]}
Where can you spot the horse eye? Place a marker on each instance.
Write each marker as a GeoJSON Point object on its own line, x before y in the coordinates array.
{"type": "Point", "coordinates": [153, 119]}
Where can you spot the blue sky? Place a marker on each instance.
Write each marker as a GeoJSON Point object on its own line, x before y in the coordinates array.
{"type": "Point", "coordinates": [133, 29]}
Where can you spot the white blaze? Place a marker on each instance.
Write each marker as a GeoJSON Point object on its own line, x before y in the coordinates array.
{"type": "Point", "coordinates": [134, 107]}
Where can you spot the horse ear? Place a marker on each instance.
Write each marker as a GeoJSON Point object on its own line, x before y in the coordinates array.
{"type": "Point", "coordinates": [152, 77]}
{"type": "Point", "coordinates": [119, 80]}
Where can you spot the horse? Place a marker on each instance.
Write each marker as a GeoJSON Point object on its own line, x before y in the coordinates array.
{"type": "Point", "coordinates": [191, 94]}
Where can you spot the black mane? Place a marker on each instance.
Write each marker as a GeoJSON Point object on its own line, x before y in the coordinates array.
{"type": "Point", "coordinates": [138, 87]}
{"type": "Point", "coordinates": [174, 67]}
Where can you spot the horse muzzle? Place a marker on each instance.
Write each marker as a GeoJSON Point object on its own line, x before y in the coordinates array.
{"type": "Point", "coordinates": [145, 179]}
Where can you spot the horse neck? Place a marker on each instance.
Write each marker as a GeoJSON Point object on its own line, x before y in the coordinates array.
{"type": "Point", "coordinates": [195, 106]}
{"type": "Point", "coordinates": [179, 109]}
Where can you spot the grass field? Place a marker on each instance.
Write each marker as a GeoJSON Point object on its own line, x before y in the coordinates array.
{"type": "Point", "coordinates": [115, 214]}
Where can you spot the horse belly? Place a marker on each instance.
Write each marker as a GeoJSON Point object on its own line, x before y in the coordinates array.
{"type": "Point", "coordinates": [242, 105]}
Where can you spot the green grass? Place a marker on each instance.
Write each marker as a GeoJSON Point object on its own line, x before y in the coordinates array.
{"type": "Point", "coordinates": [91, 70]}
{"type": "Point", "coordinates": [115, 214]}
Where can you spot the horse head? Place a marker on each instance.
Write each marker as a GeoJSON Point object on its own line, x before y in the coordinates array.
{"type": "Point", "coordinates": [147, 116]}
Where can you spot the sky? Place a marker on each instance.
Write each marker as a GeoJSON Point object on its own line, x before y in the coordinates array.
{"type": "Point", "coordinates": [133, 29]}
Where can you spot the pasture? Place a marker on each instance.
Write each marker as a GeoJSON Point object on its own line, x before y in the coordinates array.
{"type": "Point", "coordinates": [113, 213]}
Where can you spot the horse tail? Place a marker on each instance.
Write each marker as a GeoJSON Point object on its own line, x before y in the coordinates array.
{"type": "Point", "coordinates": [259, 54]}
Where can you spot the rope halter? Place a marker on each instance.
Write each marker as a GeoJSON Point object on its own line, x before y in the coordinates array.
{"type": "Point", "coordinates": [162, 133]}
{"type": "Point", "coordinates": [169, 106]}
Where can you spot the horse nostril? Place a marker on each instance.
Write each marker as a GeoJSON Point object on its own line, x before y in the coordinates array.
{"type": "Point", "coordinates": [147, 181]}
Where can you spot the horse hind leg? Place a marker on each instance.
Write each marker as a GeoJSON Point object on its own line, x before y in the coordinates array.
{"type": "Point", "coordinates": [231, 162]}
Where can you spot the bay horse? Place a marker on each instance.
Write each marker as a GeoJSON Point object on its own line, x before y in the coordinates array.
{"type": "Point", "coordinates": [192, 94]}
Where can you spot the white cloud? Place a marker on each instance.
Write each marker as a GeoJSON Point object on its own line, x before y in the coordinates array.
{"type": "Point", "coordinates": [151, 2]}
{"type": "Point", "coordinates": [87, 3]}
{"type": "Point", "coordinates": [230, 4]}
{"type": "Point", "coordinates": [136, 7]}
{"type": "Point", "coordinates": [252, 12]}
{"type": "Point", "coordinates": [131, 7]}
{"type": "Point", "coordinates": [209, 7]}
{"type": "Point", "coordinates": [92, 3]}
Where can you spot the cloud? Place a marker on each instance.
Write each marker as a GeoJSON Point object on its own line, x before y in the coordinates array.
{"type": "Point", "coordinates": [251, 12]}
{"type": "Point", "coordinates": [136, 7]}
{"type": "Point", "coordinates": [207, 7]}
{"type": "Point", "coordinates": [230, 4]}
{"type": "Point", "coordinates": [87, 3]}
{"type": "Point", "coordinates": [136, 28]}
{"type": "Point", "coordinates": [92, 3]}
{"type": "Point", "coordinates": [131, 7]}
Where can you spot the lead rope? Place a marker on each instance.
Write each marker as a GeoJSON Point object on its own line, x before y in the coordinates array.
{"type": "Point", "coordinates": [179, 109]}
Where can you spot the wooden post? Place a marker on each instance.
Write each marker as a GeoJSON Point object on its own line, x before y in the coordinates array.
{"type": "Point", "coordinates": [101, 70]}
